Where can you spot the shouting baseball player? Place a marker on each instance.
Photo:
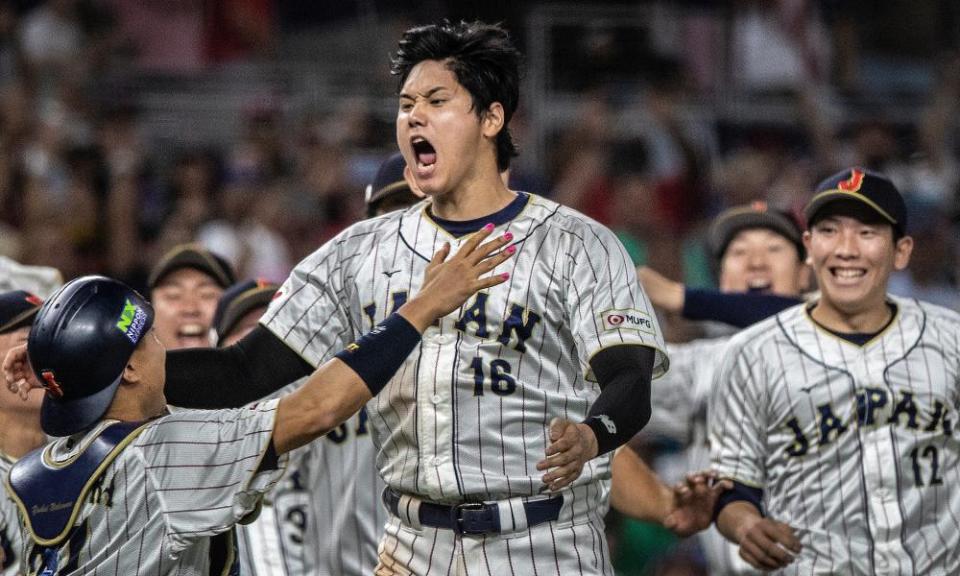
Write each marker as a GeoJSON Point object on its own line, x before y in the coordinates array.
{"type": "Point", "coordinates": [493, 438]}
{"type": "Point", "coordinates": [835, 418]}
{"type": "Point", "coordinates": [130, 489]}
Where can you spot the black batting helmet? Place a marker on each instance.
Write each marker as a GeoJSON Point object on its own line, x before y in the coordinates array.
{"type": "Point", "coordinates": [79, 345]}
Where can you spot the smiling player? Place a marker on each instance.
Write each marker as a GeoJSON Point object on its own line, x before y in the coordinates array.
{"type": "Point", "coordinates": [835, 418]}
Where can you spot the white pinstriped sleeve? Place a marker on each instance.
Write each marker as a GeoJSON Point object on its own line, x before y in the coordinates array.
{"type": "Point", "coordinates": [204, 465]}
{"type": "Point", "coordinates": [606, 305]}
{"type": "Point", "coordinates": [307, 313]}
{"type": "Point", "coordinates": [736, 418]}
{"type": "Point", "coordinates": [672, 397]}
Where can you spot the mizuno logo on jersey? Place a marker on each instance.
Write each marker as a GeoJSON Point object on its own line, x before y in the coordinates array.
{"type": "Point", "coordinates": [629, 319]}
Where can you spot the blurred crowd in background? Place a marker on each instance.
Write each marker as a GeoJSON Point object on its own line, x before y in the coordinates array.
{"type": "Point", "coordinates": [252, 126]}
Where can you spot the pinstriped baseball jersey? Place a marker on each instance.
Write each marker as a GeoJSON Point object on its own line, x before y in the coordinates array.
{"type": "Point", "coordinates": [345, 513]}
{"type": "Point", "coordinates": [679, 403]}
{"type": "Point", "coordinates": [853, 446]}
{"type": "Point", "coordinates": [273, 544]}
{"type": "Point", "coordinates": [466, 417]}
{"type": "Point", "coordinates": [188, 476]}
{"type": "Point", "coordinates": [10, 542]}
{"type": "Point", "coordinates": [324, 516]}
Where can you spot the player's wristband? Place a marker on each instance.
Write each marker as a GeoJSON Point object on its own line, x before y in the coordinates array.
{"type": "Point", "coordinates": [377, 355]}
{"type": "Point", "coordinates": [739, 493]}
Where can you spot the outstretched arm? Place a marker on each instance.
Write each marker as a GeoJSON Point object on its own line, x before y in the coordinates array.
{"type": "Point", "coordinates": [638, 492]}
{"type": "Point", "coordinates": [342, 385]}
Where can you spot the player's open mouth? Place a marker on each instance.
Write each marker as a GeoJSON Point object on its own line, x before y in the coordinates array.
{"type": "Point", "coordinates": [423, 151]}
{"type": "Point", "coordinates": [759, 285]}
{"type": "Point", "coordinates": [848, 274]}
{"type": "Point", "coordinates": [191, 332]}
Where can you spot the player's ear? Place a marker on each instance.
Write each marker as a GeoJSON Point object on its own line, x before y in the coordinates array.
{"type": "Point", "coordinates": [806, 246]}
{"type": "Point", "coordinates": [133, 373]}
{"type": "Point", "coordinates": [491, 123]}
{"type": "Point", "coordinates": [805, 276]}
{"type": "Point", "coordinates": [901, 252]}
{"type": "Point", "coordinates": [130, 374]}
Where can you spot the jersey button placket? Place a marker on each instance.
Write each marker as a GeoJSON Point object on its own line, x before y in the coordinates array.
{"type": "Point", "coordinates": [436, 406]}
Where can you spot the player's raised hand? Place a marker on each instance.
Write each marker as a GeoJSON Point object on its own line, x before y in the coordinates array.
{"type": "Point", "coordinates": [693, 503]}
{"type": "Point", "coordinates": [18, 373]}
{"type": "Point", "coordinates": [449, 282]}
{"type": "Point", "coordinates": [769, 545]}
{"type": "Point", "coordinates": [572, 444]}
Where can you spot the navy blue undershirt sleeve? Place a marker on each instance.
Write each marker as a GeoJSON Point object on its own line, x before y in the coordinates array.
{"type": "Point", "coordinates": [738, 309]}
{"type": "Point", "coordinates": [739, 493]}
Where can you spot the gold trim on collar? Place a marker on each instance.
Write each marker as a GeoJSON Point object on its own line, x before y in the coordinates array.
{"type": "Point", "coordinates": [808, 309]}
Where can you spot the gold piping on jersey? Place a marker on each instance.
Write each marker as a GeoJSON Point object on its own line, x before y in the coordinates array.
{"type": "Point", "coordinates": [664, 363]}
{"type": "Point", "coordinates": [81, 499]}
{"type": "Point", "coordinates": [890, 324]}
{"type": "Point", "coordinates": [430, 220]}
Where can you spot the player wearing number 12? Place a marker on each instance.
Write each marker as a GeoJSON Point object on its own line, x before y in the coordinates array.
{"type": "Point", "coordinates": [835, 418]}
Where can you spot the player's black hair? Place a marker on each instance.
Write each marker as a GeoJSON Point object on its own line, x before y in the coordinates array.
{"type": "Point", "coordinates": [859, 211]}
{"type": "Point", "coordinates": [483, 59]}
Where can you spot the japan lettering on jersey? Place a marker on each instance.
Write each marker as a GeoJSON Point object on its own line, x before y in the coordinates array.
{"type": "Point", "coordinates": [853, 446]}
{"type": "Point", "coordinates": [466, 416]}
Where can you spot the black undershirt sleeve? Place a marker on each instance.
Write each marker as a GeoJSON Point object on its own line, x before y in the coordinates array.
{"type": "Point", "coordinates": [623, 406]}
{"type": "Point", "coordinates": [231, 377]}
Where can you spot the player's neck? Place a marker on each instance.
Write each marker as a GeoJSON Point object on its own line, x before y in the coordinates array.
{"type": "Point", "coordinates": [474, 199]}
{"type": "Point", "coordinates": [135, 405]}
{"type": "Point", "coordinates": [20, 433]}
{"type": "Point", "coordinates": [867, 321]}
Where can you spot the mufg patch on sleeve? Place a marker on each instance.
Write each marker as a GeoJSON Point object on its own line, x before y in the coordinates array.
{"type": "Point", "coordinates": [629, 319]}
